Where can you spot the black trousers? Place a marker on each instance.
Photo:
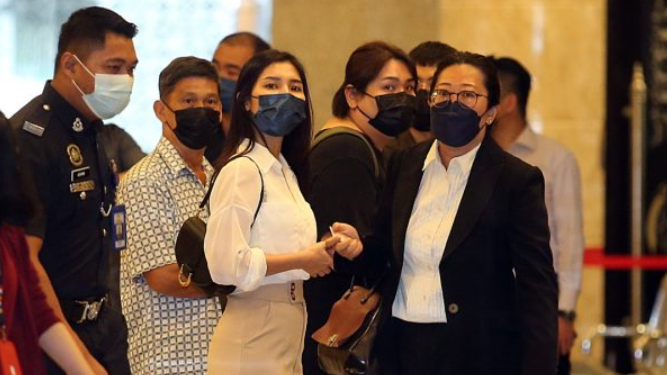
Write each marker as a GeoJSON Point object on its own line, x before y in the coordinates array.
{"type": "Point", "coordinates": [564, 366]}
{"type": "Point", "coordinates": [106, 340]}
{"type": "Point", "coordinates": [421, 347]}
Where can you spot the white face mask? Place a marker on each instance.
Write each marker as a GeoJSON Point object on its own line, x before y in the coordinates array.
{"type": "Point", "coordinates": [111, 94]}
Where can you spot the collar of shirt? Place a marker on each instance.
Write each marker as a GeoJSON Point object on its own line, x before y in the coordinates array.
{"type": "Point", "coordinates": [527, 140]}
{"type": "Point", "coordinates": [459, 165]}
{"type": "Point", "coordinates": [175, 162]}
{"type": "Point", "coordinates": [263, 157]}
{"type": "Point", "coordinates": [69, 116]}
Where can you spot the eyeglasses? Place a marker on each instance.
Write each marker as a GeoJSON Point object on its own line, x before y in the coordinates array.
{"type": "Point", "coordinates": [467, 98]}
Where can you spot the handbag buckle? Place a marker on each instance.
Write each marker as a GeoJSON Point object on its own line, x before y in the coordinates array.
{"type": "Point", "coordinates": [181, 281]}
{"type": "Point", "coordinates": [333, 339]}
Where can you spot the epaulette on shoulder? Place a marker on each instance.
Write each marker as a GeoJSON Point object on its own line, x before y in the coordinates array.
{"type": "Point", "coordinates": [33, 117]}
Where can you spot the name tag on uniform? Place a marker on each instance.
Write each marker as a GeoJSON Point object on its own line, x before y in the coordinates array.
{"type": "Point", "coordinates": [79, 173]}
{"type": "Point", "coordinates": [118, 227]}
{"type": "Point", "coordinates": [77, 187]}
{"type": "Point", "coordinates": [33, 128]}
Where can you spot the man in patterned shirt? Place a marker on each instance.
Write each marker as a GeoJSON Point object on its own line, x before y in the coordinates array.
{"type": "Point", "coordinates": [169, 325]}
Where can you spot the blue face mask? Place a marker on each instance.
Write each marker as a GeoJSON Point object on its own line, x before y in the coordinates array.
{"type": "Point", "coordinates": [454, 124]}
{"type": "Point", "coordinates": [279, 114]}
{"type": "Point", "coordinates": [226, 88]}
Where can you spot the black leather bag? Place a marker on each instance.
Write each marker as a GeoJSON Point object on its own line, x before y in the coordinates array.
{"type": "Point", "coordinates": [193, 268]}
{"type": "Point", "coordinates": [346, 340]}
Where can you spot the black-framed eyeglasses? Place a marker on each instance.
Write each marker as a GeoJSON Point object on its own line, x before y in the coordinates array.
{"type": "Point", "coordinates": [467, 98]}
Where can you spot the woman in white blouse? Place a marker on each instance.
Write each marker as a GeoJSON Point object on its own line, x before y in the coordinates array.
{"type": "Point", "coordinates": [261, 235]}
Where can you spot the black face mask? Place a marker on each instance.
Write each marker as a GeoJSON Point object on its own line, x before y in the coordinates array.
{"type": "Point", "coordinates": [396, 112]}
{"type": "Point", "coordinates": [279, 114]}
{"type": "Point", "coordinates": [423, 112]}
{"type": "Point", "coordinates": [196, 126]}
{"type": "Point", "coordinates": [454, 124]}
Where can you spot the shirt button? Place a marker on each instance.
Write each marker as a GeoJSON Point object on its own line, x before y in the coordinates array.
{"type": "Point", "coordinates": [453, 308]}
{"type": "Point", "coordinates": [104, 232]}
{"type": "Point", "coordinates": [82, 195]}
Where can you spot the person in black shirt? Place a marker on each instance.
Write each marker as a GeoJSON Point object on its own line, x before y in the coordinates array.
{"type": "Point", "coordinates": [426, 57]}
{"type": "Point", "coordinates": [346, 174]}
{"type": "Point", "coordinates": [120, 146]}
{"type": "Point", "coordinates": [72, 239]}
{"type": "Point", "coordinates": [232, 53]}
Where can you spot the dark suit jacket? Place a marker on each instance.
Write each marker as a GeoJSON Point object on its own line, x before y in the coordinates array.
{"type": "Point", "coordinates": [497, 323]}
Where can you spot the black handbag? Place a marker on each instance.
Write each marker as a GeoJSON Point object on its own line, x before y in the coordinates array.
{"type": "Point", "coordinates": [346, 340]}
{"type": "Point", "coordinates": [190, 256]}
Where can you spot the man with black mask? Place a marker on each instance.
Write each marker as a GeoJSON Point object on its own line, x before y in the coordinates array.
{"type": "Point", "coordinates": [160, 193]}
{"type": "Point", "coordinates": [426, 57]}
{"type": "Point", "coordinates": [232, 53]}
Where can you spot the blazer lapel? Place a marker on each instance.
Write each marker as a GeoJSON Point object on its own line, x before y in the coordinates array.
{"type": "Point", "coordinates": [481, 182]}
{"type": "Point", "coordinates": [407, 186]}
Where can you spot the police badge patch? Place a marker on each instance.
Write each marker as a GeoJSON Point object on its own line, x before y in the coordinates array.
{"type": "Point", "coordinates": [74, 154]}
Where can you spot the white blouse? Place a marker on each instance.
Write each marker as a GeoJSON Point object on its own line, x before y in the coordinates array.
{"type": "Point", "coordinates": [419, 298]}
{"type": "Point", "coordinates": [236, 248]}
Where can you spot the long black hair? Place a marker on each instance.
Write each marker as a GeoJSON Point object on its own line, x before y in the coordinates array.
{"type": "Point", "coordinates": [296, 144]}
{"type": "Point", "coordinates": [16, 204]}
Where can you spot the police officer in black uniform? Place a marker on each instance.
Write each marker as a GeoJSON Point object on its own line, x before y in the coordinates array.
{"type": "Point", "coordinates": [80, 228]}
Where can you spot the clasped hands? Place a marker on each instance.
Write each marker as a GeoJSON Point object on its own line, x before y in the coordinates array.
{"type": "Point", "coordinates": [343, 240]}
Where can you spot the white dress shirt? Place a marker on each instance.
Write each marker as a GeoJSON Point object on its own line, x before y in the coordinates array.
{"type": "Point", "coordinates": [563, 201]}
{"type": "Point", "coordinates": [419, 297]}
{"type": "Point", "coordinates": [235, 249]}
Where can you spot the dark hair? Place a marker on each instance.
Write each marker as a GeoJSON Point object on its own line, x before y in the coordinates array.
{"type": "Point", "coordinates": [515, 79]}
{"type": "Point", "coordinates": [86, 30]}
{"type": "Point", "coordinates": [483, 63]}
{"type": "Point", "coordinates": [295, 145]}
{"type": "Point", "coordinates": [184, 67]}
{"type": "Point", "coordinates": [430, 53]}
{"type": "Point", "coordinates": [246, 38]}
{"type": "Point", "coordinates": [363, 66]}
{"type": "Point", "coordinates": [16, 205]}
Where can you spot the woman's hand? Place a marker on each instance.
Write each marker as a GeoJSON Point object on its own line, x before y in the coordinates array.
{"type": "Point", "coordinates": [317, 260]}
{"type": "Point", "coordinates": [350, 245]}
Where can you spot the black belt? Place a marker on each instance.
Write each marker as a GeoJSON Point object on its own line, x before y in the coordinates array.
{"type": "Point", "coordinates": [80, 311]}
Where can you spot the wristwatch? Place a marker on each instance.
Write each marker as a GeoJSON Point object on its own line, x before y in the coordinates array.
{"type": "Point", "coordinates": [568, 315]}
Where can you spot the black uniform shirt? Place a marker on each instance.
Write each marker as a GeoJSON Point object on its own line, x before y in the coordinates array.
{"type": "Point", "coordinates": [75, 189]}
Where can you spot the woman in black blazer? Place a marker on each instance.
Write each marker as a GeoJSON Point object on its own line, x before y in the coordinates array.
{"type": "Point", "coordinates": [471, 289]}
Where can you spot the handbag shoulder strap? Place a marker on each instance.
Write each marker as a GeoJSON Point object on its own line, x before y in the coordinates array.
{"type": "Point", "coordinates": [204, 201]}
{"type": "Point", "coordinates": [327, 133]}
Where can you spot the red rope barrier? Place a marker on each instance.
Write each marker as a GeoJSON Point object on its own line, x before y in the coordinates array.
{"type": "Point", "coordinates": [595, 257]}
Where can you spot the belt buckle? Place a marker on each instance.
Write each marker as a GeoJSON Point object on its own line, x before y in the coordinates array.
{"type": "Point", "coordinates": [90, 309]}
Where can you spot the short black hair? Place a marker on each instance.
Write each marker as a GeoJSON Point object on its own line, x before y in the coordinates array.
{"type": "Point", "coordinates": [515, 79]}
{"type": "Point", "coordinates": [85, 31]}
{"type": "Point", "coordinates": [483, 63]}
{"type": "Point", "coordinates": [16, 202]}
{"type": "Point", "coordinates": [246, 38]}
{"type": "Point", "coordinates": [184, 67]}
{"type": "Point", "coordinates": [363, 66]}
{"type": "Point", "coordinates": [430, 53]}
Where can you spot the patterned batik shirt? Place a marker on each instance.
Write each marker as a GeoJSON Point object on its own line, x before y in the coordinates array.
{"type": "Point", "coordinates": [166, 335]}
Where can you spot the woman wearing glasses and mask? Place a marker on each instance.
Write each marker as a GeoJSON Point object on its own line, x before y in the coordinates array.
{"type": "Point", "coordinates": [471, 287]}
{"type": "Point", "coordinates": [375, 103]}
{"type": "Point", "coordinates": [261, 235]}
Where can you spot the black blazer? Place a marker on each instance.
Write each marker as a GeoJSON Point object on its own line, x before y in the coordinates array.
{"type": "Point", "coordinates": [498, 323]}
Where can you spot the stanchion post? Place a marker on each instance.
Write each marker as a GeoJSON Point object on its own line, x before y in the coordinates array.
{"type": "Point", "coordinates": [637, 168]}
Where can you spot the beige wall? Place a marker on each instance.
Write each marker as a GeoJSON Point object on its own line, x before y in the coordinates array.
{"type": "Point", "coordinates": [323, 34]}
{"type": "Point", "coordinates": [562, 43]}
